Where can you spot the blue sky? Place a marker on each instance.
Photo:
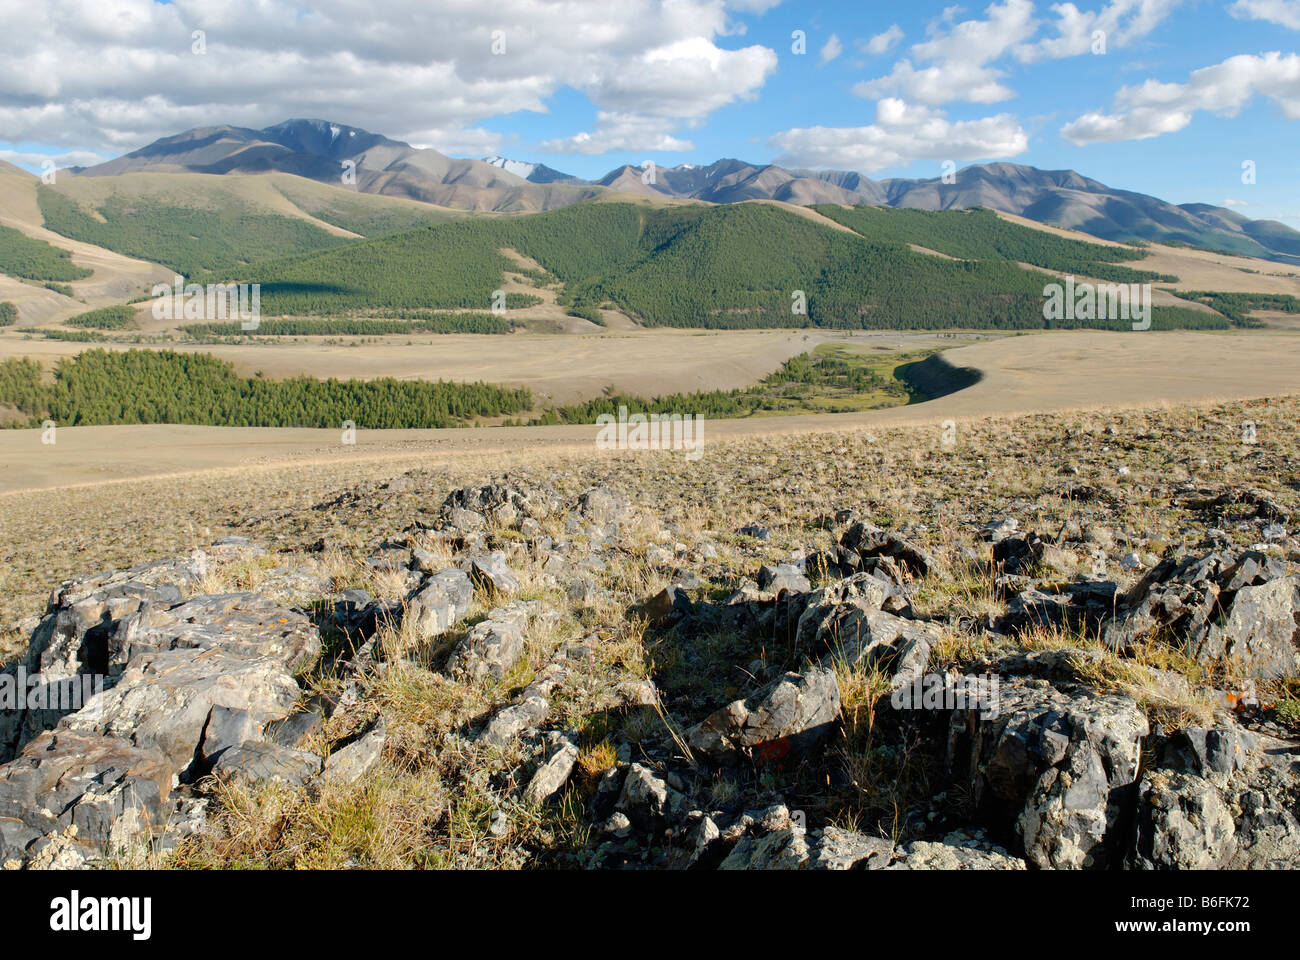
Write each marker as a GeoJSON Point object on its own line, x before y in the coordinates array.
{"type": "Point", "coordinates": [1184, 94]}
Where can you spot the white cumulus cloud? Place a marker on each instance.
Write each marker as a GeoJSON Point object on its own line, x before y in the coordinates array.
{"type": "Point", "coordinates": [832, 49]}
{"type": "Point", "coordinates": [903, 133]}
{"type": "Point", "coordinates": [113, 75]}
{"type": "Point", "coordinates": [1154, 108]}
{"type": "Point", "coordinates": [1285, 13]}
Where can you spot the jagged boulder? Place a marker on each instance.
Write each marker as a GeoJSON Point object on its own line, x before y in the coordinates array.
{"type": "Point", "coordinates": [864, 542]}
{"type": "Point", "coordinates": [1218, 797]}
{"type": "Point", "coordinates": [1051, 767]}
{"type": "Point", "coordinates": [789, 715]}
{"type": "Point", "coordinates": [471, 508]}
{"type": "Point", "coordinates": [1083, 602]}
{"type": "Point", "coordinates": [492, 646]}
{"type": "Point", "coordinates": [1238, 607]}
{"type": "Point", "coordinates": [855, 634]}
{"type": "Point", "coordinates": [493, 574]}
{"type": "Point", "coordinates": [113, 794]}
{"type": "Point", "coordinates": [439, 602]}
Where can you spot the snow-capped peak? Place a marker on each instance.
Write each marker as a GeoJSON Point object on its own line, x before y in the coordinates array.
{"type": "Point", "coordinates": [517, 167]}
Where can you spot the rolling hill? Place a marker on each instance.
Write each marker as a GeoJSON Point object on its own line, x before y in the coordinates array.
{"type": "Point", "coordinates": [728, 266]}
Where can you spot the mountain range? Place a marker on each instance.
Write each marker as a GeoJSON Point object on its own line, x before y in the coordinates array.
{"type": "Point", "coordinates": [371, 163]}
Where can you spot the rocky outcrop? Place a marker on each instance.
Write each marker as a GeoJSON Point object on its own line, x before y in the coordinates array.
{"type": "Point", "coordinates": [88, 793]}
{"type": "Point", "coordinates": [1053, 768]}
{"type": "Point", "coordinates": [1234, 607]}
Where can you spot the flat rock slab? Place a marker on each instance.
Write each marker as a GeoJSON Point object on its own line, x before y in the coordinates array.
{"type": "Point", "coordinates": [261, 761]}
{"type": "Point", "coordinates": [163, 699]}
{"type": "Point", "coordinates": [244, 624]}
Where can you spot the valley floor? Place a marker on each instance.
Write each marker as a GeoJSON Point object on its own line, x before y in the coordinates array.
{"type": "Point", "coordinates": [1031, 373]}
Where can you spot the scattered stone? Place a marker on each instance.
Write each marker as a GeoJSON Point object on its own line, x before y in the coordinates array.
{"type": "Point", "coordinates": [551, 777]}
{"type": "Point", "coordinates": [443, 599]}
{"type": "Point", "coordinates": [492, 646]}
{"type": "Point", "coordinates": [493, 575]}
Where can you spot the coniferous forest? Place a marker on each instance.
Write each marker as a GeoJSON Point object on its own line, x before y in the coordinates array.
{"type": "Point", "coordinates": [148, 386]}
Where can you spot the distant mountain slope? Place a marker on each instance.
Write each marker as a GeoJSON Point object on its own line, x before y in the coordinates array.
{"type": "Point", "coordinates": [319, 150]}
{"type": "Point", "coordinates": [1060, 198]}
{"type": "Point", "coordinates": [323, 151]}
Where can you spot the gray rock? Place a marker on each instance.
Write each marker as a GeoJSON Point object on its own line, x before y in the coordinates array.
{"type": "Point", "coordinates": [844, 850]}
{"type": "Point", "coordinates": [552, 775]}
{"type": "Point", "coordinates": [864, 541]}
{"type": "Point", "coordinates": [294, 729]}
{"type": "Point", "coordinates": [259, 761]}
{"type": "Point", "coordinates": [440, 602]}
{"type": "Point", "coordinates": [785, 849]}
{"type": "Point", "coordinates": [1083, 602]}
{"type": "Point", "coordinates": [603, 505]}
{"type": "Point", "coordinates": [1052, 764]}
{"type": "Point", "coordinates": [1182, 824]}
{"type": "Point", "coordinates": [492, 646]}
{"type": "Point", "coordinates": [855, 634]}
{"type": "Point", "coordinates": [1261, 632]}
{"type": "Point", "coordinates": [226, 728]}
{"type": "Point", "coordinates": [648, 800]}
{"type": "Point", "coordinates": [696, 847]}
{"type": "Point", "coordinates": [492, 574]}
{"type": "Point", "coordinates": [114, 794]}
{"type": "Point", "coordinates": [788, 715]}
{"type": "Point", "coordinates": [1193, 601]}
{"type": "Point", "coordinates": [243, 624]}
{"type": "Point", "coordinates": [499, 503]}
{"type": "Point", "coordinates": [783, 578]}
{"type": "Point", "coordinates": [72, 637]}
{"type": "Point", "coordinates": [957, 851]}
{"type": "Point", "coordinates": [1204, 751]}
{"type": "Point", "coordinates": [350, 763]}
{"type": "Point", "coordinates": [163, 699]}
{"type": "Point", "coordinates": [510, 721]}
